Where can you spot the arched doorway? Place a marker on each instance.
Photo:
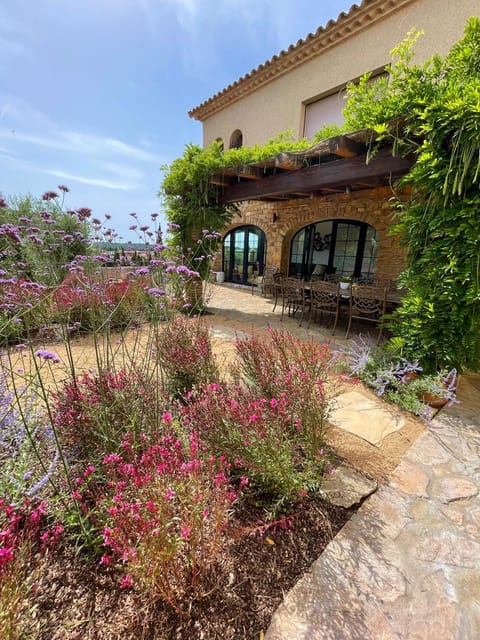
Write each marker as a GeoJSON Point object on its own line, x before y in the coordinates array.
{"type": "Point", "coordinates": [243, 254]}
{"type": "Point", "coordinates": [345, 247]}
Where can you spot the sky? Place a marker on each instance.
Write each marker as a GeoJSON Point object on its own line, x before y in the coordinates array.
{"type": "Point", "coordinates": [95, 94]}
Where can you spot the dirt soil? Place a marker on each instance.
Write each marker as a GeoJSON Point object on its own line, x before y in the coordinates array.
{"type": "Point", "coordinates": [79, 602]}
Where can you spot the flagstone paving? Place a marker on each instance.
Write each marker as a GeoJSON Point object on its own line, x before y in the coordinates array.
{"type": "Point", "coordinates": [369, 419]}
{"type": "Point", "coordinates": [407, 564]}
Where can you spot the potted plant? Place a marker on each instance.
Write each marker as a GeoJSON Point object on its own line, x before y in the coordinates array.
{"type": "Point", "coordinates": [345, 282]}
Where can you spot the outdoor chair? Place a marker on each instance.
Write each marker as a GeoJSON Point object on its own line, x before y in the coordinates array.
{"type": "Point", "coordinates": [293, 296]}
{"type": "Point", "coordinates": [267, 283]}
{"type": "Point", "coordinates": [367, 304]}
{"type": "Point", "coordinates": [325, 298]}
{"type": "Point", "coordinates": [277, 287]}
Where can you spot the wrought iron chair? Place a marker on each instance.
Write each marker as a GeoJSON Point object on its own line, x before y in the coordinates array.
{"type": "Point", "coordinates": [367, 304]}
{"type": "Point", "coordinates": [277, 287]}
{"type": "Point", "coordinates": [293, 296]}
{"type": "Point", "coordinates": [267, 284]}
{"type": "Point", "coordinates": [325, 298]}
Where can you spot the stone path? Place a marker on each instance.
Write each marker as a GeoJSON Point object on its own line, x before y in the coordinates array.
{"type": "Point", "coordinates": [407, 565]}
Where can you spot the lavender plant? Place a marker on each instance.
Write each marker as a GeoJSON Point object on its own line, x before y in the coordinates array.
{"type": "Point", "coordinates": [28, 455]}
{"type": "Point", "coordinates": [396, 379]}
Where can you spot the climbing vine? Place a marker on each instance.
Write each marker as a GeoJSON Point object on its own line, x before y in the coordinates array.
{"type": "Point", "coordinates": [436, 110]}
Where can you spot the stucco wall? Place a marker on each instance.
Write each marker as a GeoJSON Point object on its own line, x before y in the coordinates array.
{"type": "Point", "coordinates": [279, 105]}
{"type": "Point", "coordinates": [372, 207]}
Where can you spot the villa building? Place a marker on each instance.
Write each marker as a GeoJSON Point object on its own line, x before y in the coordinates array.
{"type": "Point", "coordinates": [325, 209]}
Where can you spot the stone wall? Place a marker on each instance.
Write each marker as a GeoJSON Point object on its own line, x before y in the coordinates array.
{"type": "Point", "coordinates": [370, 206]}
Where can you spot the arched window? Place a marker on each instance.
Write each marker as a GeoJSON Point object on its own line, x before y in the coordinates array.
{"type": "Point", "coordinates": [344, 247]}
{"type": "Point", "coordinates": [236, 139]}
{"type": "Point", "coordinates": [243, 254]}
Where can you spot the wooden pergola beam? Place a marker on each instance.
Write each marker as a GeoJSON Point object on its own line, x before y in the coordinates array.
{"type": "Point", "coordinates": [345, 147]}
{"type": "Point", "coordinates": [333, 175]}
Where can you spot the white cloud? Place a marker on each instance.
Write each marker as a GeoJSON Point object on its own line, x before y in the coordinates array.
{"type": "Point", "coordinates": [25, 124]}
{"type": "Point", "coordinates": [120, 185]}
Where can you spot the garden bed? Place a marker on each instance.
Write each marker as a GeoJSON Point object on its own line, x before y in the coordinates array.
{"type": "Point", "coordinates": [79, 602]}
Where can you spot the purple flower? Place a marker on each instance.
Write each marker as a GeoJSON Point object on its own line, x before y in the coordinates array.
{"type": "Point", "coordinates": [50, 195]}
{"type": "Point", "coordinates": [3, 203]}
{"type": "Point", "coordinates": [156, 292]}
{"type": "Point", "coordinates": [47, 355]}
{"type": "Point", "coordinates": [63, 188]}
{"type": "Point", "coordinates": [84, 212]}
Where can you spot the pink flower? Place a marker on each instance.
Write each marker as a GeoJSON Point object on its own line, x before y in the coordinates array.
{"type": "Point", "coordinates": [105, 559]}
{"type": "Point", "coordinates": [126, 582]}
{"type": "Point", "coordinates": [167, 417]}
{"type": "Point", "coordinates": [185, 532]}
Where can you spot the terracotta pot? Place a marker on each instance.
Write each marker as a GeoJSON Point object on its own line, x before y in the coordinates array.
{"type": "Point", "coordinates": [437, 402]}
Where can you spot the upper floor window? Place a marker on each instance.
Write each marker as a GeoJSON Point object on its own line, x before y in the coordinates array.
{"type": "Point", "coordinates": [236, 139]}
{"type": "Point", "coordinates": [327, 110]}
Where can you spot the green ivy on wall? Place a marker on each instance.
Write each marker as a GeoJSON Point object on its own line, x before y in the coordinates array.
{"type": "Point", "coordinates": [439, 102]}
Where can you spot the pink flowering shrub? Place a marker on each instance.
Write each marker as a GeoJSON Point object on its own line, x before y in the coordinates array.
{"type": "Point", "coordinates": [26, 534]}
{"type": "Point", "coordinates": [282, 365]}
{"type": "Point", "coordinates": [184, 352]}
{"type": "Point", "coordinates": [164, 514]}
{"type": "Point", "coordinates": [91, 302]}
{"type": "Point", "coordinates": [93, 413]}
{"type": "Point", "coordinates": [261, 436]}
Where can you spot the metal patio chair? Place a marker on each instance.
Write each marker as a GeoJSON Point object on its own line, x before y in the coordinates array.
{"type": "Point", "coordinates": [293, 296]}
{"type": "Point", "coordinates": [367, 304]}
{"type": "Point", "coordinates": [324, 298]}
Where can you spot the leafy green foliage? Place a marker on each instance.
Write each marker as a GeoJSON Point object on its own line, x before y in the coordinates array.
{"type": "Point", "coordinates": [437, 112]}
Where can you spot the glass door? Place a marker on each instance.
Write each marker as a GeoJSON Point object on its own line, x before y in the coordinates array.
{"type": "Point", "coordinates": [244, 254]}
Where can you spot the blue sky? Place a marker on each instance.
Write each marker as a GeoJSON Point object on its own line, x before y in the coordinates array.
{"type": "Point", "coordinates": [94, 94]}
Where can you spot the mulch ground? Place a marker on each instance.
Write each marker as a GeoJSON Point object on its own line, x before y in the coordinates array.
{"type": "Point", "coordinates": [81, 602]}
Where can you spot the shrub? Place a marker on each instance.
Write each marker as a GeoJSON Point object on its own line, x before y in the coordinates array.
{"type": "Point", "coordinates": [25, 536]}
{"type": "Point", "coordinates": [262, 436]}
{"type": "Point", "coordinates": [92, 304]}
{"type": "Point", "coordinates": [184, 352]}
{"type": "Point", "coordinates": [93, 413]}
{"type": "Point", "coordinates": [394, 378]}
{"type": "Point", "coordinates": [164, 513]}
{"type": "Point", "coordinates": [281, 364]}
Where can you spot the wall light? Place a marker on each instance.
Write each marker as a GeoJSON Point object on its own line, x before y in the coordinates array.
{"type": "Point", "coordinates": [347, 190]}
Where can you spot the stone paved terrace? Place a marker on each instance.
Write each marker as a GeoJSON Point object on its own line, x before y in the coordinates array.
{"type": "Point", "coordinates": [407, 564]}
